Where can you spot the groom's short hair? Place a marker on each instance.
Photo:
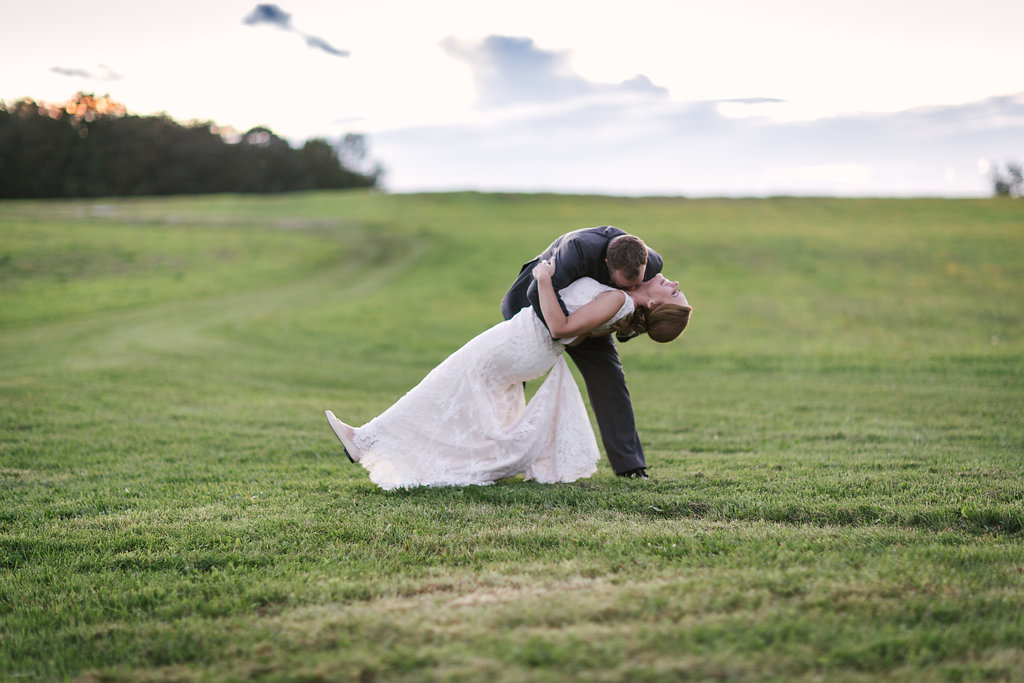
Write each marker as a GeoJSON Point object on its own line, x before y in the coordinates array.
{"type": "Point", "coordinates": [627, 253]}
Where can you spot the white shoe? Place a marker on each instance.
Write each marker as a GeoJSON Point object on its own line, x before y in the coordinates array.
{"type": "Point", "coordinates": [344, 433]}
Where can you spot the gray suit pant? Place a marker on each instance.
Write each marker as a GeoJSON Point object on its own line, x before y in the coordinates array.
{"type": "Point", "coordinates": [598, 361]}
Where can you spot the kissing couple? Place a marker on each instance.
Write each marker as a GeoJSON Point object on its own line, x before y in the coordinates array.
{"type": "Point", "coordinates": [468, 422]}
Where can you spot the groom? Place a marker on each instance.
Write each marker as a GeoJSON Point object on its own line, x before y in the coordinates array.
{"type": "Point", "coordinates": [617, 259]}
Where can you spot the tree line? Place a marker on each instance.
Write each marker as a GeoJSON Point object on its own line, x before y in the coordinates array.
{"type": "Point", "coordinates": [91, 147]}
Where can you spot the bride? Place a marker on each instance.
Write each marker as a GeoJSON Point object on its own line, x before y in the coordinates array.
{"type": "Point", "coordinates": [467, 422]}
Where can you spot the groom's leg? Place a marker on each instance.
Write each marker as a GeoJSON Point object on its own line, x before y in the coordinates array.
{"type": "Point", "coordinates": [598, 361]}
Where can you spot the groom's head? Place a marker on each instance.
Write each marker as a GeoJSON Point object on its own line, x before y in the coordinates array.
{"type": "Point", "coordinates": [627, 261]}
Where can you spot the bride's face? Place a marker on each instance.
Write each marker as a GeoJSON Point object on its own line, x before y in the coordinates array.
{"type": "Point", "coordinates": [660, 290]}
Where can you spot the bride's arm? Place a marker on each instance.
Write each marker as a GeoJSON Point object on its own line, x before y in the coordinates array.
{"type": "Point", "coordinates": [581, 321]}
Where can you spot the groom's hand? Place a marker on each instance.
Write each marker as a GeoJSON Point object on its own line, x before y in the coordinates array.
{"type": "Point", "coordinates": [624, 331]}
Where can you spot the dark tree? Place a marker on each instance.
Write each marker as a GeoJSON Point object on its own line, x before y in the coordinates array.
{"type": "Point", "coordinates": [91, 147]}
{"type": "Point", "coordinates": [354, 155]}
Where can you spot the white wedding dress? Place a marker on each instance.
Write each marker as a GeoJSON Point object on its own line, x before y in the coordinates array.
{"type": "Point", "coordinates": [468, 422]}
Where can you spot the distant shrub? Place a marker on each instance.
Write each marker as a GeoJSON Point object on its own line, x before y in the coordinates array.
{"type": "Point", "coordinates": [1008, 181]}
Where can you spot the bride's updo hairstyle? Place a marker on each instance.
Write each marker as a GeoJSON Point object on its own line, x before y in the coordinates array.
{"type": "Point", "coordinates": [664, 323]}
{"type": "Point", "coordinates": [627, 253]}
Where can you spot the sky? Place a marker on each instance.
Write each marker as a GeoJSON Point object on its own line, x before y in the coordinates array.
{"type": "Point", "coordinates": [646, 97]}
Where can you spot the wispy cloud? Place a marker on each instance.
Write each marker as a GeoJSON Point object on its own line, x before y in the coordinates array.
{"type": "Point", "coordinates": [322, 44]}
{"type": "Point", "coordinates": [101, 73]}
{"type": "Point", "coordinates": [275, 16]}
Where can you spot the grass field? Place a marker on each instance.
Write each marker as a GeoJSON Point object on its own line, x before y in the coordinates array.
{"type": "Point", "coordinates": [836, 446]}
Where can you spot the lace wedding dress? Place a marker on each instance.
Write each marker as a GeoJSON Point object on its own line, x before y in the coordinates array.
{"type": "Point", "coordinates": [468, 422]}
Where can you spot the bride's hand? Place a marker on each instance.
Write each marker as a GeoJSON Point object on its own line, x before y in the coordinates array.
{"type": "Point", "coordinates": [544, 269]}
{"type": "Point", "coordinates": [624, 326]}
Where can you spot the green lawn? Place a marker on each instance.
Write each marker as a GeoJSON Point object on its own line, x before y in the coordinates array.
{"type": "Point", "coordinates": [836, 446]}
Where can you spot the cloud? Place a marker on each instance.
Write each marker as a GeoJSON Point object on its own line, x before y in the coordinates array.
{"type": "Point", "coordinates": [542, 127]}
{"type": "Point", "coordinates": [745, 107]}
{"type": "Point", "coordinates": [322, 44]}
{"type": "Point", "coordinates": [629, 147]}
{"type": "Point", "coordinates": [269, 14]}
{"type": "Point", "coordinates": [834, 174]}
{"type": "Point", "coordinates": [509, 70]}
{"type": "Point", "coordinates": [278, 18]}
{"type": "Point", "coordinates": [753, 100]}
{"type": "Point", "coordinates": [102, 73]}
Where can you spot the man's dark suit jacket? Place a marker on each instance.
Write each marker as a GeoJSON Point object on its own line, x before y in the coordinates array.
{"type": "Point", "coordinates": [577, 254]}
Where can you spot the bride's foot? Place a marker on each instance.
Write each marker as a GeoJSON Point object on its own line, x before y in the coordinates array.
{"type": "Point", "coordinates": [346, 435]}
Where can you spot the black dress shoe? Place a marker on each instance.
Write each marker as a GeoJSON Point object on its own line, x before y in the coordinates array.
{"type": "Point", "coordinates": [638, 473]}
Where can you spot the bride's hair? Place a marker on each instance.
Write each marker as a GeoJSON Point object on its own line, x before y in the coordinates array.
{"type": "Point", "coordinates": [664, 323]}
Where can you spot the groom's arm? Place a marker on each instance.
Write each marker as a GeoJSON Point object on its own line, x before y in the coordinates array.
{"type": "Point", "coordinates": [654, 264]}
